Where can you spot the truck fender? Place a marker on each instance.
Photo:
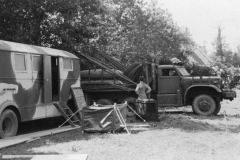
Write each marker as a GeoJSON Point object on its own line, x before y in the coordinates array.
{"type": "Point", "coordinates": [194, 86]}
{"type": "Point", "coordinates": [8, 103]}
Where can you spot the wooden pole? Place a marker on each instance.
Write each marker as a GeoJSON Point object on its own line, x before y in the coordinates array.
{"type": "Point", "coordinates": [121, 119]}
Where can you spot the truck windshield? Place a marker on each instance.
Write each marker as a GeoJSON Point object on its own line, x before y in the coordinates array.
{"type": "Point", "coordinates": [183, 71]}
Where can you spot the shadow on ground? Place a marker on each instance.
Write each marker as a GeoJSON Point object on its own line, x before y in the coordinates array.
{"type": "Point", "coordinates": [188, 121]}
{"type": "Point", "coordinates": [25, 148]}
{"type": "Point", "coordinates": [39, 125]}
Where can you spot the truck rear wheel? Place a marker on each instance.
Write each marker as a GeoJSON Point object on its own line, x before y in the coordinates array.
{"type": "Point", "coordinates": [8, 124]}
{"type": "Point", "coordinates": [204, 105]}
{"type": "Point", "coordinates": [104, 101]}
{"type": "Point", "coordinates": [132, 103]}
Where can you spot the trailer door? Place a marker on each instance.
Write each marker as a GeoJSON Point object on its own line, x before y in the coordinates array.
{"type": "Point", "coordinates": [47, 80]}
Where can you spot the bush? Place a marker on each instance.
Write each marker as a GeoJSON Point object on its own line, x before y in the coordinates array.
{"type": "Point", "coordinates": [227, 73]}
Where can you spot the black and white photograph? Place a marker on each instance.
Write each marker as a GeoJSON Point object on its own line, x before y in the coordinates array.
{"type": "Point", "coordinates": [119, 79]}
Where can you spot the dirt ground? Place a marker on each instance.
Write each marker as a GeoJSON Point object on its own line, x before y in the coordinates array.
{"type": "Point", "coordinates": [180, 135]}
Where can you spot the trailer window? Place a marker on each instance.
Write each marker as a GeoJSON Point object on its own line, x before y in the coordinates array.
{"type": "Point", "coordinates": [37, 63]}
{"type": "Point", "coordinates": [20, 62]}
{"type": "Point", "coordinates": [67, 64]}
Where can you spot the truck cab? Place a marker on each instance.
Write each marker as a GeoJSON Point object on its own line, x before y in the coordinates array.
{"type": "Point", "coordinates": [177, 88]}
{"type": "Point", "coordinates": [169, 85]}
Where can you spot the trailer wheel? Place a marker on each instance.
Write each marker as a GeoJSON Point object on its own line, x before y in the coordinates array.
{"type": "Point", "coordinates": [218, 108]}
{"type": "Point", "coordinates": [8, 124]}
{"type": "Point", "coordinates": [132, 103]}
{"type": "Point", "coordinates": [104, 101]}
{"type": "Point", "coordinates": [204, 105]}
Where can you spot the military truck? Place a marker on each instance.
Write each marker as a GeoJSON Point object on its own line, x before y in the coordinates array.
{"type": "Point", "coordinates": [172, 86]}
{"type": "Point", "coordinates": [181, 89]}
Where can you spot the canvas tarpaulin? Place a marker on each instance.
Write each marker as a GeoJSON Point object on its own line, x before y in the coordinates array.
{"type": "Point", "coordinates": [102, 118]}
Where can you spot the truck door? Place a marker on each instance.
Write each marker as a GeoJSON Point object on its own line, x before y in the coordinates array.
{"type": "Point", "coordinates": [47, 80]}
{"type": "Point", "coordinates": [168, 87]}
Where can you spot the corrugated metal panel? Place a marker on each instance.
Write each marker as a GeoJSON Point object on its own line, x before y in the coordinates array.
{"type": "Point", "coordinates": [24, 48]}
{"type": "Point", "coordinates": [200, 57]}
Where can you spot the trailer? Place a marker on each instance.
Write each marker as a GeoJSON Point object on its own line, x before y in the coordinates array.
{"type": "Point", "coordinates": [32, 78]}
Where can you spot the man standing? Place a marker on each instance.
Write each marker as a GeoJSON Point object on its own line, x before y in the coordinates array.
{"type": "Point", "coordinates": [142, 90]}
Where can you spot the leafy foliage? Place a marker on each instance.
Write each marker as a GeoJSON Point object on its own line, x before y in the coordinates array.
{"type": "Point", "coordinates": [226, 62]}
{"type": "Point", "coordinates": [124, 29]}
{"type": "Point", "coordinates": [59, 24]}
{"type": "Point", "coordinates": [145, 30]}
{"type": "Point", "coordinates": [236, 58]}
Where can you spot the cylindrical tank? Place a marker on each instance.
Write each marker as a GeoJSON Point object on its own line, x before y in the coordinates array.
{"type": "Point", "coordinates": [96, 74]}
{"type": "Point", "coordinates": [101, 82]}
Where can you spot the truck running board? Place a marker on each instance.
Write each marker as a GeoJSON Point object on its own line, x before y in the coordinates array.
{"type": "Point", "coordinates": [67, 113]}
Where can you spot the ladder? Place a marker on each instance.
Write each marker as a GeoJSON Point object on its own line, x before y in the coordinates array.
{"type": "Point", "coordinates": [67, 113]}
{"type": "Point", "coordinates": [78, 97]}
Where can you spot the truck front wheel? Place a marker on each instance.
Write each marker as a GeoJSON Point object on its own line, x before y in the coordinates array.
{"type": "Point", "coordinates": [8, 124]}
{"type": "Point", "coordinates": [204, 105]}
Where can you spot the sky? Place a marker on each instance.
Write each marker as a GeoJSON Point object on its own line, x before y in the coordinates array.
{"type": "Point", "coordinates": [203, 17]}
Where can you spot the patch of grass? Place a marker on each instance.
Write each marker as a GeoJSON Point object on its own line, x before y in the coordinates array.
{"type": "Point", "coordinates": [25, 148]}
{"type": "Point", "coordinates": [185, 123]}
{"type": "Point", "coordinates": [155, 144]}
{"type": "Point", "coordinates": [179, 135]}
{"type": "Point", "coordinates": [171, 129]}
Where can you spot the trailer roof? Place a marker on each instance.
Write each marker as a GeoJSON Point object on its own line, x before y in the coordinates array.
{"type": "Point", "coordinates": [25, 48]}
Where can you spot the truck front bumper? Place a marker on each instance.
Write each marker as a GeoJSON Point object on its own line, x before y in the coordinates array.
{"type": "Point", "coordinates": [229, 95]}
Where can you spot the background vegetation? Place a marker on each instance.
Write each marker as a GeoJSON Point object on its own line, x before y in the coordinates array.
{"type": "Point", "coordinates": [120, 28]}
{"type": "Point", "coordinates": [123, 29]}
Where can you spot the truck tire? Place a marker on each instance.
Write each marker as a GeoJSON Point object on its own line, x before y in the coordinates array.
{"type": "Point", "coordinates": [8, 124]}
{"type": "Point", "coordinates": [104, 101]}
{"type": "Point", "coordinates": [218, 108]}
{"type": "Point", "coordinates": [204, 105]}
{"type": "Point", "coordinates": [132, 103]}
